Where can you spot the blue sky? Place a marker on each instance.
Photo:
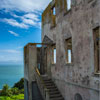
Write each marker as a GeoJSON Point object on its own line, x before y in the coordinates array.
{"type": "Point", "coordinates": [20, 23]}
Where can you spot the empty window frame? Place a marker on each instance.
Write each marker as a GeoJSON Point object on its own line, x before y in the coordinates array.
{"type": "Point", "coordinates": [68, 4]}
{"type": "Point", "coordinates": [53, 17]}
{"type": "Point", "coordinates": [54, 54]}
{"type": "Point", "coordinates": [96, 34]}
{"type": "Point", "coordinates": [54, 11]}
{"type": "Point", "coordinates": [68, 44]}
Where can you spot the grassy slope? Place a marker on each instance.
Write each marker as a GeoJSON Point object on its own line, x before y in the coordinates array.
{"type": "Point", "coordinates": [14, 97]}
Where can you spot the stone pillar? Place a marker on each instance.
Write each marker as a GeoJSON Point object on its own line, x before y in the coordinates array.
{"type": "Point", "coordinates": [30, 62]}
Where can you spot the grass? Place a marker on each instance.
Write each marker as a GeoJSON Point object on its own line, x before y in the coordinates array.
{"type": "Point", "coordinates": [14, 97]}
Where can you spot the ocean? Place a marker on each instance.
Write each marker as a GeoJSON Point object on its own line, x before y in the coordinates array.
{"type": "Point", "coordinates": [10, 74]}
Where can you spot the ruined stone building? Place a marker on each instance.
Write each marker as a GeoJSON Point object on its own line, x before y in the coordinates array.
{"type": "Point", "coordinates": [66, 65]}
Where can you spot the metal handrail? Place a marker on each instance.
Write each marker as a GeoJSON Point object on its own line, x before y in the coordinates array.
{"type": "Point", "coordinates": [37, 71]}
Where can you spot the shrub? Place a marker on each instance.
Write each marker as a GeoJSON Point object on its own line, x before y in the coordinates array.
{"type": "Point", "coordinates": [15, 91]}
{"type": "Point", "coordinates": [20, 84]}
{"type": "Point", "coordinates": [22, 91]}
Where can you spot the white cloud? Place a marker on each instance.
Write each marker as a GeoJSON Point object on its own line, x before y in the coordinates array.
{"type": "Point", "coordinates": [9, 51]}
{"type": "Point", "coordinates": [11, 56]}
{"type": "Point", "coordinates": [13, 22]}
{"type": "Point", "coordinates": [31, 16]}
{"type": "Point", "coordinates": [27, 20]}
{"type": "Point", "coordinates": [24, 5]}
{"type": "Point", "coordinates": [13, 33]}
{"type": "Point", "coordinates": [14, 15]}
{"type": "Point", "coordinates": [20, 47]}
{"type": "Point", "coordinates": [32, 9]}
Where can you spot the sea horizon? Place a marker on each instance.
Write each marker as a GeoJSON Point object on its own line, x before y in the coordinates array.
{"type": "Point", "coordinates": [10, 74]}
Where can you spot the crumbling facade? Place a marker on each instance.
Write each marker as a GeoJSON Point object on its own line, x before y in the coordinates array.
{"type": "Point", "coordinates": [70, 51]}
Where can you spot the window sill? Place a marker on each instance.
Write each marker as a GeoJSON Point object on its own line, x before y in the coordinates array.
{"type": "Point", "coordinates": [67, 11]}
{"type": "Point", "coordinates": [53, 64]}
{"type": "Point", "coordinates": [96, 74]}
{"type": "Point", "coordinates": [69, 64]}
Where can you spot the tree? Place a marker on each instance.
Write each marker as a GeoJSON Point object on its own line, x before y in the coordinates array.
{"type": "Point", "coordinates": [6, 91]}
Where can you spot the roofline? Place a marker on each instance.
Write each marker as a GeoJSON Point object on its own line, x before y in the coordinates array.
{"type": "Point", "coordinates": [38, 44]}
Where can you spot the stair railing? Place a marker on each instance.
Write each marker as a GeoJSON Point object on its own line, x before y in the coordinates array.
{"type": "Point", "coordinates": [44, 91]}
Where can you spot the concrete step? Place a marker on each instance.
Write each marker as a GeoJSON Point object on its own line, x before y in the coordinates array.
{"type": "Point", "coordinates": [44, 78]}
{"type": "Point", "coordinates": [49, 83]}
{"type": "Point", "coordinates": [55, 96]}
{"type": "Point", "coordinates": [53, 89]}
{"type": "Point", "coordinates": [51, 86]}
{"type": "Point", "coordinates": [48, 80]}
{"type": "Point", "coordinates": [59, 98]}
{"type": "Point", "coordinates": [54, 92]}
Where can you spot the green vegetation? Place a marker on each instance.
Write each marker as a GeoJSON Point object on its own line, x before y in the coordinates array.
{"type": "Point", "coordinates": [6, 91]}
{"type": "Point", "coordinates": [20, 84]}
{"type": "Point", "coordinates": [14, 97]}
{"type": "Point", "coordinates": [14, 93]}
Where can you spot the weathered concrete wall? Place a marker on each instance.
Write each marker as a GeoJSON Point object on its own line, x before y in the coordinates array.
{"type": "Point", "coordinates": [78, 23]}
{"type": "Point", "coordinates": [30, 62]}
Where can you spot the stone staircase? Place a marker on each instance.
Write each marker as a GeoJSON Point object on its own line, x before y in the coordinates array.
{"type": "Point", "coordinates": [54, 93]}
{"type": "Point", "coordinates": [48, 88]}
